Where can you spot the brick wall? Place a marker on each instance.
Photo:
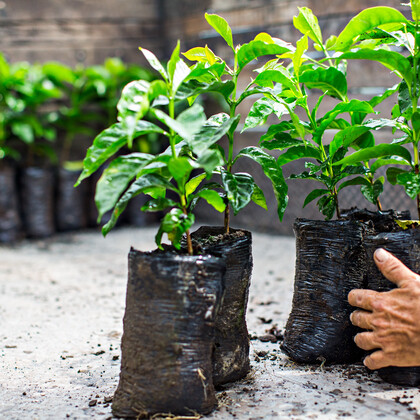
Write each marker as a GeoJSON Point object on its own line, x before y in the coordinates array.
{"type": "Point", "coordinates": [78, 30]}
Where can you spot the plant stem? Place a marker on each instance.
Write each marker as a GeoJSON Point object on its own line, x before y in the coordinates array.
{"type": "Point", "coordinates": [182, 198]}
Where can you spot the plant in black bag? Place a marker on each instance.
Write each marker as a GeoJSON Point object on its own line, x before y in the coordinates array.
{"type": "Point", "coordinates": [385, 36]}
{"type": "Point", "coordinates": [328, 262]}
{"type": "Point", "coordinates": [172, 294]}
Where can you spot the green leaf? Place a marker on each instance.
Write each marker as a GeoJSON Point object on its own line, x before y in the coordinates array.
{"type": "Point", "coordinates": [239, 189]}
{"type": "Point", "coordinates": [415, 9]}
{"type": "Point", "coordinates": [327, 206]}
{"type": "Point", "coordinates": [221, 27]}
{"type": "Point", "coordinates": [210, 159]}
{"type": "Point", "coordinates": [379, 163]}
{"type": "Point", "coordinates": [23, 131]}
{"type": "Point", "coordinates": [314, 195]}
{"type": "Point", "coordinates": [180, 168]}
{"type": "Point", "coordinates": [380, 150]}
{"type": "Point", "coordinates": [142, 184]}
{"type": "Point", "coordinates": [173, 61]}
{"type": "Point", "coordinates": [212, 131]}
{"type": "Point", "coordinates": [415, 120]}
{"type": "Point", "coordinates": [206, 74]}
{"type": "Point", "coordinates": [154, 62]}
{"type": "Point", "coordinates": [372, 192]}
{"type": "Point", "coordinates": [192, 88]}
{"type": "Point", "coordinates": [301, 48]}
{"type": "Point", "coordinates": [255, 49]}
{"type": "Point", "coordinates": [213, 198]}
{"type": "Point", "coordinates": [258, 197]}
{"type": "Point", "coordinates": [307, 23]}
{"type": "Point", "coordinates": [411, 182]}
{"type": "Point", "coordinates": [359, 180]}
{"type": "Point", "coordinates": [276, 129]}
{"type": "Point", "coordinates": [298, 152]}
{"type": "Point", "coordinates": [279, 75]}
{"type": "Point", "coordinates": [366, 20]}
{"type": "Point", "coordinates": [390, 59]}
{"type": "Point", "coordinates": [353, 106]}
{"type": "Point", "coordinates": [174, 224]}
{"type": "Point", "coordinates": [116, 178]}
{"type": "Point", "coordinates": [158, 204]}
{"type": "Point", "coordinates": [201, 54]}
{"type": "Point", "coordinates": [345, 137]}
{"type": "Point", "coordinates": [273, 172]}
{"type": "Point", "coordinates": [261, 110]}
{"type": "Point", "coordinates": [331, 81]}
{"type": "Point", "coordinates": [108, 142]}
{"type": "Point", "coordinates": [282, 141]}
{"type": "Point", "coordinates": [392, 173]}
{"type": "Point", "coordinates": [193, 183]}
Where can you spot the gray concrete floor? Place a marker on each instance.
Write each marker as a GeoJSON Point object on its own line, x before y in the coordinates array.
{"type": "Point", "coordinates": [61, 308]}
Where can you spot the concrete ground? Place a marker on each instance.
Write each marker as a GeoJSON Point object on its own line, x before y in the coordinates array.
{"type": "Point", "coordinates": [61, 309]}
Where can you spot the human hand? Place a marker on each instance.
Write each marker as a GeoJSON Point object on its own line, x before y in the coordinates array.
{"type": "Point", "coordinates": [392, 318]}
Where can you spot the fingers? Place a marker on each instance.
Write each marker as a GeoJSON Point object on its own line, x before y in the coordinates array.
{"type": "Point", "coordinates": [364, 299]}
{"type": "Point", "coordinates": [376, 360]}
{"type": "Point", "coordinates": [362, 319]}
{"type": "Point", "coordinates": [366, 341]}
{"type": "Point", "coordinates": [392, 268]}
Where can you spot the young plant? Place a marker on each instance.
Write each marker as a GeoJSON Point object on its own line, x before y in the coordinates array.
{"type": "Point", "coordinates": [374, 35]}
{"type": "Point", "coordinates": [188, 135]}
{"type": "Point", "coordinates": [302, 132]}
{"type": "Point", "coordinates": [238, 188]}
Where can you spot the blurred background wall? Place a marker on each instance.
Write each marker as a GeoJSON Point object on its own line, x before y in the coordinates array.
{"type": "Point", "coordinates": [88, 31]}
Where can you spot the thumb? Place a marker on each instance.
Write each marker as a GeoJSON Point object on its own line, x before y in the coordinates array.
{"type": "Point", "coordinates": [392, 268]}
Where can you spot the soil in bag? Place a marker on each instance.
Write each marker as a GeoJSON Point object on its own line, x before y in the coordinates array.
{"type": "Point", "coordinates": [231, 352]}
{"type": "Point", "coordinates": [405, 245]}
{"type": "Point", "coordinates": [168, 338]}
{"type": "Point", "coordinates": [37, 200]}
{"type": "Point", "coordinates": [10, 225]}
{"type": "Point", "coordinates": [329, 263]}
{"type": "Point", "coordinates": [71, 204]}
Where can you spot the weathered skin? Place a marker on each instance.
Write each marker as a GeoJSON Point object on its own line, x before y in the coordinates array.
{"type": "Point", "coordinates": [392, 318]}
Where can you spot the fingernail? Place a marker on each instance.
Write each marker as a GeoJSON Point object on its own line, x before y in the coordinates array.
{"type": "Point", "coordinates": [381, 255]}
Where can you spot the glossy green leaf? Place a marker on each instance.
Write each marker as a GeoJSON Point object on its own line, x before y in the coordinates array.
{"type": "Point", "coordinates": [182, 71]}
{"type": "Point", "coordinates": [331, 81]}
{"type": "Point", "coordinates": [239, 189]}
{"type": "Point", "coordinates": [108, 142]}
{"type": "Point", "coordinates": [301, 48]}
{"type": "Point", "coordinates": [411, 182]}
{"type": "Point", "coordinates": [307, 23]}
{"type": "Point", "coordinates": [415, 121]}
{"type": "Point", "coordinates": [206, 74]}
{"type": "Point", "coordinates": [314, 194]}
{"type": "Point", "coordinates": [273, 172]}
{"type": "Point", "coordinates": [298, 152]}
{"type": "Point", "coordinates": [366, 20]}
{"type": "Point", "coordinates": [193, 184]}
{"type": "Point", "coordinates": [345, 137]}
{"type": "Point", "coordinates": [379, 163]}
{"type": "Point", "coordinates": [258, 197]}
{"type": "Point", "coordinates": [372, 192]}
{"type": "Point", "coordinates": [116, 178]}
{"type": "Point", "coordinates": [392, 173]}
{"type": "Point", "coordinates": [261, 110]}
{"type": "Point", "coordinates": [211, 132]}
{"type": "Point", "coordinates": [353, 106]}
{"type": "Point", "coordinates": [390, 59]}
{"type": "Point", "coordinates": [327, 206]}
{"type": "Point", "coordinates": [174, 224]}
{"type": "Point", "coordinates": [221, 27]}
{"type": "Point", "coordinates": [173, 61]}
{"type": "Point", "coordinates": [359, 180]}
{"type": "Point", "coordinates": [275, 130]}
{"type": "Point", "coordinates": [280, 75]}
{"type": "Point", "coordinates": [142, 185]}
{"type": "Point", "coordinates": [255, 49]}
{"type": "Point", "coordinates": [154, 62]}
{"type": "Point", "coordinates": [378, 151]}
{"type": "Point", "coordinates": [213, 198]}
{"type": "Point", "coordinates": [180, 168]}
{"type": "Point", "coordinates": [201, 54]}
{"type": "Point", "coordinates": [281, 141]}
{"type": "Point", "coordinates": [158, 204]}
{"type": "Point", "coordinates": [192, 88]}
{"type": "Point", "coordinates": [415, 9]}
